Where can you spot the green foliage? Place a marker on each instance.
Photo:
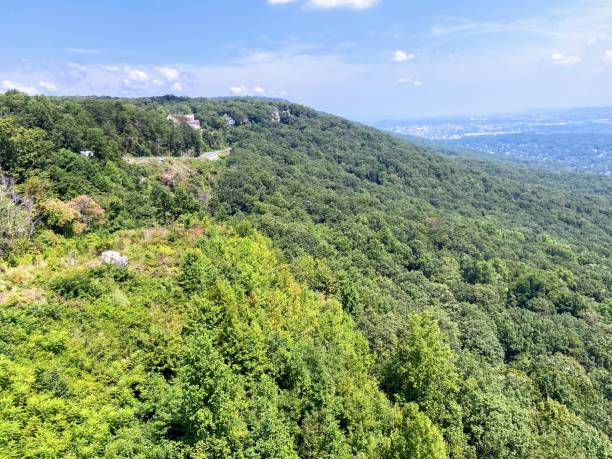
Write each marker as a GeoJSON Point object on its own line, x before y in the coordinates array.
{"type": "Point", "coordinates": [477, 296]}
{"type": "Point", "coordinates": [244, 363]}
{"type": "Point", "coordinates": [420, 370]}
{"type": "Point", "coordinates": [77, 285]}
{"type": "Point", "coordinates": [418, 438]}
{"type": "Point", "coordinates": [22, 149]}
{"type": "Point", "coordinates": [565, 435]}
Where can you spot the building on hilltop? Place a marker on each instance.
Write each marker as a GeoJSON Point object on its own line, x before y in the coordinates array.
{"type": "Point", "coordinates": [87, 153]}
{"type": "Point", "coordinates": [189, 120]}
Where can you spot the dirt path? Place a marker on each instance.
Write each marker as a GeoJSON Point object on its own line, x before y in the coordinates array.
{"type": "Point", "coordinates": [207, 156]}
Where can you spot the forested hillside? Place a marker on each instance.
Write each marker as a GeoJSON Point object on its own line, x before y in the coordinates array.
{"type": "Point", "coordinates": [324, 291]}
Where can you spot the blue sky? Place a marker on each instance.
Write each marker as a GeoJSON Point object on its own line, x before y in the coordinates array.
{"type": "Point", "coordinates": [364, 59]}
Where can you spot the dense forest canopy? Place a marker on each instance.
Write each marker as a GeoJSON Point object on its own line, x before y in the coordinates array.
{"type": "Point", "coordinates": [325, 291]}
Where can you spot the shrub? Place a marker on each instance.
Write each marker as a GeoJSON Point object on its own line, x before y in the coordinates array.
{"type": "Point", "coordinates": [60, 216]}
{"type": "Point", "coordinates": [73, 217]}
{"type": "Point", "coordinates": [90, 212]}
{"type": "Point", "coordinates": [78, 285]}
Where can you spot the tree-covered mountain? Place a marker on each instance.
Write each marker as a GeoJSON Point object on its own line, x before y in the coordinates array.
{"type": "Point", "coordinates": [325, 291]}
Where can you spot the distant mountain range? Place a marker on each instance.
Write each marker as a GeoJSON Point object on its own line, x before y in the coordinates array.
{"type": "Point", "coordinates": [578, 140]}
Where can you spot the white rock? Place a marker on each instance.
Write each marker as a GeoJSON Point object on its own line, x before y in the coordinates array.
{"type": "Point", "coordinates": [115, 258]}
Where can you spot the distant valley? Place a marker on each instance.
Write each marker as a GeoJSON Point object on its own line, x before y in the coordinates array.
{"type": "Point", "coordinates": [577, 140]}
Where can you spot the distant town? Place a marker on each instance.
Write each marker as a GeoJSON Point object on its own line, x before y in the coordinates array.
{"type": "Point", "coordinates": [578, 140]}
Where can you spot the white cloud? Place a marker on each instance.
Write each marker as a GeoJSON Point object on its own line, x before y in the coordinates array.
{"type": "Point", "coordinates": [238, 90]}
{"type": "Point", "coordinates": [608, 55]}
{"type": "Point", "coordinates": [177, 86]}
{"type": "Point", "coordinates": [77, 67]}
{"type": "Point", "coordinates": [110, 68]}
{"type": "Point", "coordinates": [135, 74]}
{"type": "Point", "coordinates": [169, 73]}
{"type": "Point", "coordinates": [585, 22]}
{"type": "Point", "coordinates": [291, 71]}
{"type": "Point", "coordinates": [402, 56]}
{"type": "Point", "coordinates": [76, 71]}
{"type": "Point", "coordinates": [350, 4]}
{"type": "Point", "coordinates": [8, 84]}
{"type": "Point", "coordinates": [48, 86]}
{"type": "Point", "coordinates": [562, 59]}
{"type": "Point", "coordinates": [410, 81]}
{"type": "Point", "coordinates": [592, 41]}
{"type": "Point", "coordinates": [241, 90]}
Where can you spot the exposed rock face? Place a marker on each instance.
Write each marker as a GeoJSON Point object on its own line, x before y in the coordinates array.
{"type": "Point", "coordinates": [115, 258]}
{"type": "Point", "coordinates": [167, 179]}
{"type": "Point", "coordinates": [279, 116]}
{"type": "Point", "coordinates": [189, 120]}
{"type": "Point", "coordinates": [276, 116]}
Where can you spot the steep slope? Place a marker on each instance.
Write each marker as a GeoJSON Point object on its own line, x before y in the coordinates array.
{"type": "Point", "coordinates": [203, 346]}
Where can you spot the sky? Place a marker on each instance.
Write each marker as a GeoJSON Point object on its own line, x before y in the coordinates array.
{"type": "Point", "coordinates": [364, 59]}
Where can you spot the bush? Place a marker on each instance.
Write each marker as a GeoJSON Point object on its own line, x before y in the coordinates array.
{"type": "Point", "coordinates": [78, 285]}
{"type": "Point", "coordinates": [90, 212]}
{"type": "Point", "coordinates": [73, 217]}
{"type": "Point", "coordinates": [60, 216]}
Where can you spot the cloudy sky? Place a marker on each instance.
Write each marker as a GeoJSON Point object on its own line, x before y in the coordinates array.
{"type": "Point", "coordinates": [364, 59]}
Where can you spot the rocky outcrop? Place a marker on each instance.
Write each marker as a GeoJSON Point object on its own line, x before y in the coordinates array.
{"type": "Point", "coordinates": [114, 258]}
{"type": "Point", "coordinates": [279, 116]}
{"type": "Point", "coordinates": [276, 116]}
